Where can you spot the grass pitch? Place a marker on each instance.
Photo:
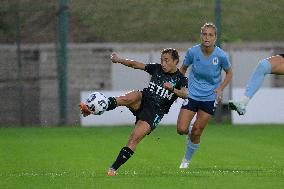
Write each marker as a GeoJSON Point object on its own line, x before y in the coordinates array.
{"type": "Point", "coordinates": [229, 157]}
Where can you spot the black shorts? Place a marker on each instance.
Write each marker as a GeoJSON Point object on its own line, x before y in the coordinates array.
{"type": "Point", "coordinates": [195, 105]}
{"type": "Point", "coordinates": [149, 113]}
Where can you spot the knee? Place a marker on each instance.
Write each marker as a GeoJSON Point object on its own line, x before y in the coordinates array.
{"type": "Point", "coordinates": [196, 132]}
{"type": "Point", "coordinates": [264, 67]}
{"type": "Point", "coordinates": [182, 130]}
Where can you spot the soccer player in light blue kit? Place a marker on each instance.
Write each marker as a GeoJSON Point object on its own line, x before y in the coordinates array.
{"type": "Point", "coordinates": [205, 87]}
{"type": "Point", "coordinates": [271, 65]}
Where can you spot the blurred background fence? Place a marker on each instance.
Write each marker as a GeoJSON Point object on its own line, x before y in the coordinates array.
{"type": "Point", "coordinates": [34, 73]}
{"type": "Point", "coordinates": [50, 51]}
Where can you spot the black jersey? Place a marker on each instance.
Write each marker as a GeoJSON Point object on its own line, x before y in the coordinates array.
{"type": "Point", "coordinates": [161, 98]}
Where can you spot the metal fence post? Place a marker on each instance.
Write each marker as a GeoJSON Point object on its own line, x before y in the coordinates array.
{"type": "Point", "coordinates": [62, 61]}
{"type": "Point", "coordinates": [218, 113]}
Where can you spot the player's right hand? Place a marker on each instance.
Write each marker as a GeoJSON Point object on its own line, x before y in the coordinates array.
{"type": "Point", "coordinates": [168, 86]}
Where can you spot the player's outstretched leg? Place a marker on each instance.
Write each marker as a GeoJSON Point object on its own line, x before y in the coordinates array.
{"type": "Point", "coordinates": [85, 111]}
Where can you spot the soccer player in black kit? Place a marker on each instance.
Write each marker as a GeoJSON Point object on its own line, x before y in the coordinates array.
{"type": "Point", "coordinates": [149, 105]}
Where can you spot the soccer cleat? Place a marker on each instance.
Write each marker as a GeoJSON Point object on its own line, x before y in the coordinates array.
{"type": "Point", "coordinates": [237, 106]}
{"type": "Point", "coordinates": [111, 172]}
{"type": "Point", "coordinates": [184, 164]}
{"type": "Point", "coordinates": [85, 111]}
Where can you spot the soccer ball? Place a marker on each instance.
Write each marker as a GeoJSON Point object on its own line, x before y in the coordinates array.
{"type": "Point", "coordinates": [97, 103]}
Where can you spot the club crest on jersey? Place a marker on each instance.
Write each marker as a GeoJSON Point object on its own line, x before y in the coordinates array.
{"type": "Point", "coordinates": [215, 61]}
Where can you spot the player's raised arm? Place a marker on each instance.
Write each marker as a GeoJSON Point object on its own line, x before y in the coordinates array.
{"type": "Point", "coordinates": [127, 62]}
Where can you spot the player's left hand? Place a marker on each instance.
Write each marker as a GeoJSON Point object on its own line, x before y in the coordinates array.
{"type": "Point", "coordinates": [219, 92]}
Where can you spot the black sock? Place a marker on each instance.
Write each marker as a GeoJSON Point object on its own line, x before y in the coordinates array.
{"type": "Point", "coordinates": [124, 154]}
{"type": "Point", "coordinates": [112, 104]}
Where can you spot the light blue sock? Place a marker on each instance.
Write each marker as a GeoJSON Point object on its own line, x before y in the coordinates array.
{"type": "Point", "coordinates": [256, 79]}
{"type": "Point", "coordinates": [190, 149]}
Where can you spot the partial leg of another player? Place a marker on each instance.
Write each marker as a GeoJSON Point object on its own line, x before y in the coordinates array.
{"type": "Point", "coordinates": [262, 69]}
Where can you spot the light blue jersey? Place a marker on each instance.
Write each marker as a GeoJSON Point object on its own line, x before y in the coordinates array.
{"type": "Point", "coordinates": [205, 74]}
